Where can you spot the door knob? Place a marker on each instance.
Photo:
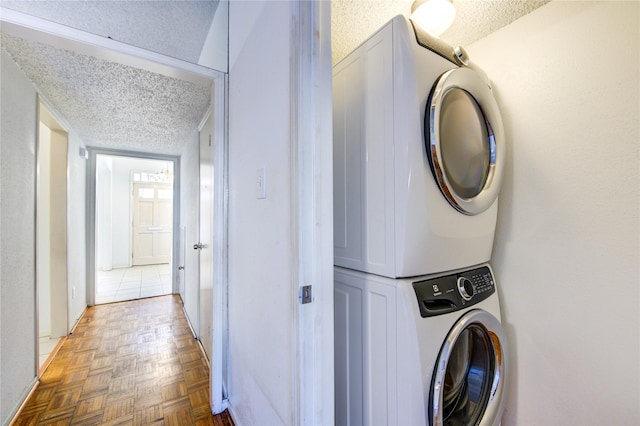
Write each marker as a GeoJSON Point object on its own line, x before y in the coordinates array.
{"type": "Point", "coordinates": [198, 246]}
{"type": "Point", "coordinates": [180, 268]}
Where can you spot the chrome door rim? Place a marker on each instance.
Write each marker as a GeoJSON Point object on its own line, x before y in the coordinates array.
{"type": "Point", "coordinates": [470, 82]}
{"type": "Point", "coordinates": [497, 394]}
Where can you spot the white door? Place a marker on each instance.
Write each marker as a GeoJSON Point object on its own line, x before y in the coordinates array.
{"type": "Point", "coordinates": [205, 245]}
{"type": "Point", "coordinates": [182, 241]}
{"type": "Point", "coordinates": [152, 223]}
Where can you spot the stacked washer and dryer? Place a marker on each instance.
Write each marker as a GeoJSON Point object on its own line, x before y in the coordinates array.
{"type": "Point", "coordinates": [418, 162]}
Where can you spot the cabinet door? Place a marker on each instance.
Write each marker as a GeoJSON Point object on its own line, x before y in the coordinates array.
{"type": "Point", "coordinates": [363, 150]}
{"type": "Point", "coordinates": [378, 154]}
{"type": "Point", "coordinates": [347, 162]}
{"type": "Point", "coordinates": [380, 360]}
{"type": "Point", "coordinates": [349, 366]}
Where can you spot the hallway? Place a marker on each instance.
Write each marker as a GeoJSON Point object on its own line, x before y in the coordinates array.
{"type": "Point", "coordinates": [133, 363]}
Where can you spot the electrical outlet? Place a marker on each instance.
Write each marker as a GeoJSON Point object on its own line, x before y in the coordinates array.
{"type": "Point", "coordinates": [73, 292]}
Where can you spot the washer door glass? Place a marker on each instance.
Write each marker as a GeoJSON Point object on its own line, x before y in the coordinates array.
{"type": "Point", "coordinates": [470, 376]}
{"type": "Point", "coordinates": [465, 144]}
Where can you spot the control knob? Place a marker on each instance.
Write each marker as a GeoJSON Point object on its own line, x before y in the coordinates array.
{"type": "Point", "coordinates": [465, 288]}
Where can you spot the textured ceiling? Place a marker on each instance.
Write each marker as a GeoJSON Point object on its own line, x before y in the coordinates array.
{"type": "Point", "coordinates": [353, 21]}
{"type": "Point", "coordinates": [113, 105]}
{"type": "Point", "coordinates": [176, 28]}
{"type": "Point", "coordinates": [118, 106]}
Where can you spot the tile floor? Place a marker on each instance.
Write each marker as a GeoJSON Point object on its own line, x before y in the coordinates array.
{"type": "Point", "coordinates": [132, 283]}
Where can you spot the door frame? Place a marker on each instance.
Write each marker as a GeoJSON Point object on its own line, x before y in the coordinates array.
{"type": "Point", "coordinates": [37, 29]}
{"type": "Point", "coordinates": [220, 372]}
{"type": "Point", "coordinates": [91, 212]}
{"type": "Point", "coordinates": [220, 350]}
{"type": "Point", "coordinates": [312, 207]}
{"type": "Point", "coordinates": [50, 118]}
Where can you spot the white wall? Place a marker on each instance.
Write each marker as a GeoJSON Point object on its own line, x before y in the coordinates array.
{"type": "Point", "coordinates": [44, 232]}
{"type": "Point", "coordinates": [76, 229]}
{"type": "Point", "coordinates": [104, 205]}
{"type": "Point", "coordinates": [18, 126]}
{"type": "Point", "coordinates": [59, 236]}
{"type": "Point", "coordinates": [2, 415]}
{"type": "Point", "coordinates": [17, 227]}
{"type": "Point", "coordinates": [216, 47]}
{"type": "Point", "coordinates": [189, 193]}
{"type": "Point", "coordinates": [567, 246]}
{"type": "Point", "coordinates": [260, 235]}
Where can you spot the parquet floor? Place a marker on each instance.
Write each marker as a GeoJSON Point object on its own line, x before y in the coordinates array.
{"type": "Point", "coordinates": [128, 363]}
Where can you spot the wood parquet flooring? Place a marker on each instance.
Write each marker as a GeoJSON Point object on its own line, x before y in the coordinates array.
{"type": "Point", "coordinates": [128, 363]}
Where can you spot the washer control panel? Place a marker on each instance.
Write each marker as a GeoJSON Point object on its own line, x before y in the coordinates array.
{"type": "Point", "coordinates": [450, 293]}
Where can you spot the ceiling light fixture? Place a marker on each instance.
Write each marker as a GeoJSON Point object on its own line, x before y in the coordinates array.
{"type": "Point", "coordinates": [433, 16]}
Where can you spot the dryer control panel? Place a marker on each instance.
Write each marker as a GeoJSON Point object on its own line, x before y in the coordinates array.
{"type": "Point", "coordinates": [450, 293]}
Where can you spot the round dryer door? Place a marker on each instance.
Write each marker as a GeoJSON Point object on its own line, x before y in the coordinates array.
{"type": "Point", "coordinates": [470, 378]}
{"type": "Point", "coordinates": [465, 141]}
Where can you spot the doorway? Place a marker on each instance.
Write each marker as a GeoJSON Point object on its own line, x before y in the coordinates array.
{"type": "Point", "coordinates": [135, 212]}
{"type": "Point", "coordinates": [51, 235]}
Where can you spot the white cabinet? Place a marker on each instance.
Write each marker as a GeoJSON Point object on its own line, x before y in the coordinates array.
{"type": "Point", "coordinates": [348, 309]}
{"type": "Point", "coordinates": [365, 351]}
{"type": "Point", "coordinates": [363, 157]}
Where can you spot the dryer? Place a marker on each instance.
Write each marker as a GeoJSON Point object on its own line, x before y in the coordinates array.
{"type": "Point", "coordinates": [423, 351]}
{"type": "Point", "coordinates": [419, 154]}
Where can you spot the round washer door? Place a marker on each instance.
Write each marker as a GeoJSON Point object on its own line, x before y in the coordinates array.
{"type": "Point", "coordinates": [465, 143]}
{"type": "Point", "coordinates": [470, 378]}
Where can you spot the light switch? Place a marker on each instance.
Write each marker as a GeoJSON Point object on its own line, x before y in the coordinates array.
{"type": "Point", "coordinates": [261, 183]}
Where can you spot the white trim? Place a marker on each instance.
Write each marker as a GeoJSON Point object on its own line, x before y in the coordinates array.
{"type": "Point", "coordinates": [205, 117]}
{"type": "Point", "coordinates": [91, 212]}
{"type": "Point", "coordinates": [220, 244]}
{"type": "Point", "coordinates": [61, 122]}
{"type": "Point", "coordinates": [36, 29]}
{"type": "Point", "coordinates": [298, 350]}
{"type": "Point", "coordinates": [312, 189]}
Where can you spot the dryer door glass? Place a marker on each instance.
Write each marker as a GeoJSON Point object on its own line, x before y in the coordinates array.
{"type": "Point", "coordinates": [469, 380]}
{"type": "Point", "coordinates": [465, 142]}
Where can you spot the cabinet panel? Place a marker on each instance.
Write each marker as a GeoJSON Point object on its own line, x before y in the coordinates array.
{"type": "Point", "coordinates": [348, 354]}
{"type": "Point", "coordinates": [347, 163]}
{"type": "Point", "coordinates": [363, 157]}
{"type": "Point", "coordinates": [380, 356]}
{"type": "Point", "coordinates": [365, 351]}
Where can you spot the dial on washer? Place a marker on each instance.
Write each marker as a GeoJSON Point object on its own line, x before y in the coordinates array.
{"type": "Point", "coordinates": [465, 288]}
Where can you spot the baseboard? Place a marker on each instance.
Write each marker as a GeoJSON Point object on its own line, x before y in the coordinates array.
{"type": "Point", "coordinates": [204, 354]}
{"type": "Point", "coordinates": [193, 332]}
{"type": "Point", "coordinates": [231, 412]}
{"type": "Point", "coordinates": [27, 395]}
{"type": "Point", "coordinates": [51, 356]}
{"type": "Point", "coordinates": [78, 320]}
{"type": "Point", "coordinates": [225, 406]}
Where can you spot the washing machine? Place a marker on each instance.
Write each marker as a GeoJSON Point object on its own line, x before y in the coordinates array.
{"type": "Point", "coordinates": [419, 155]}
{"type": "Point", "coordinates": [421, 351]}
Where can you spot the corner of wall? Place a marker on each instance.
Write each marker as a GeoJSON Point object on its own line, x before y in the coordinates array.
{"type": "Point", "coordinates": [18, 124]}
